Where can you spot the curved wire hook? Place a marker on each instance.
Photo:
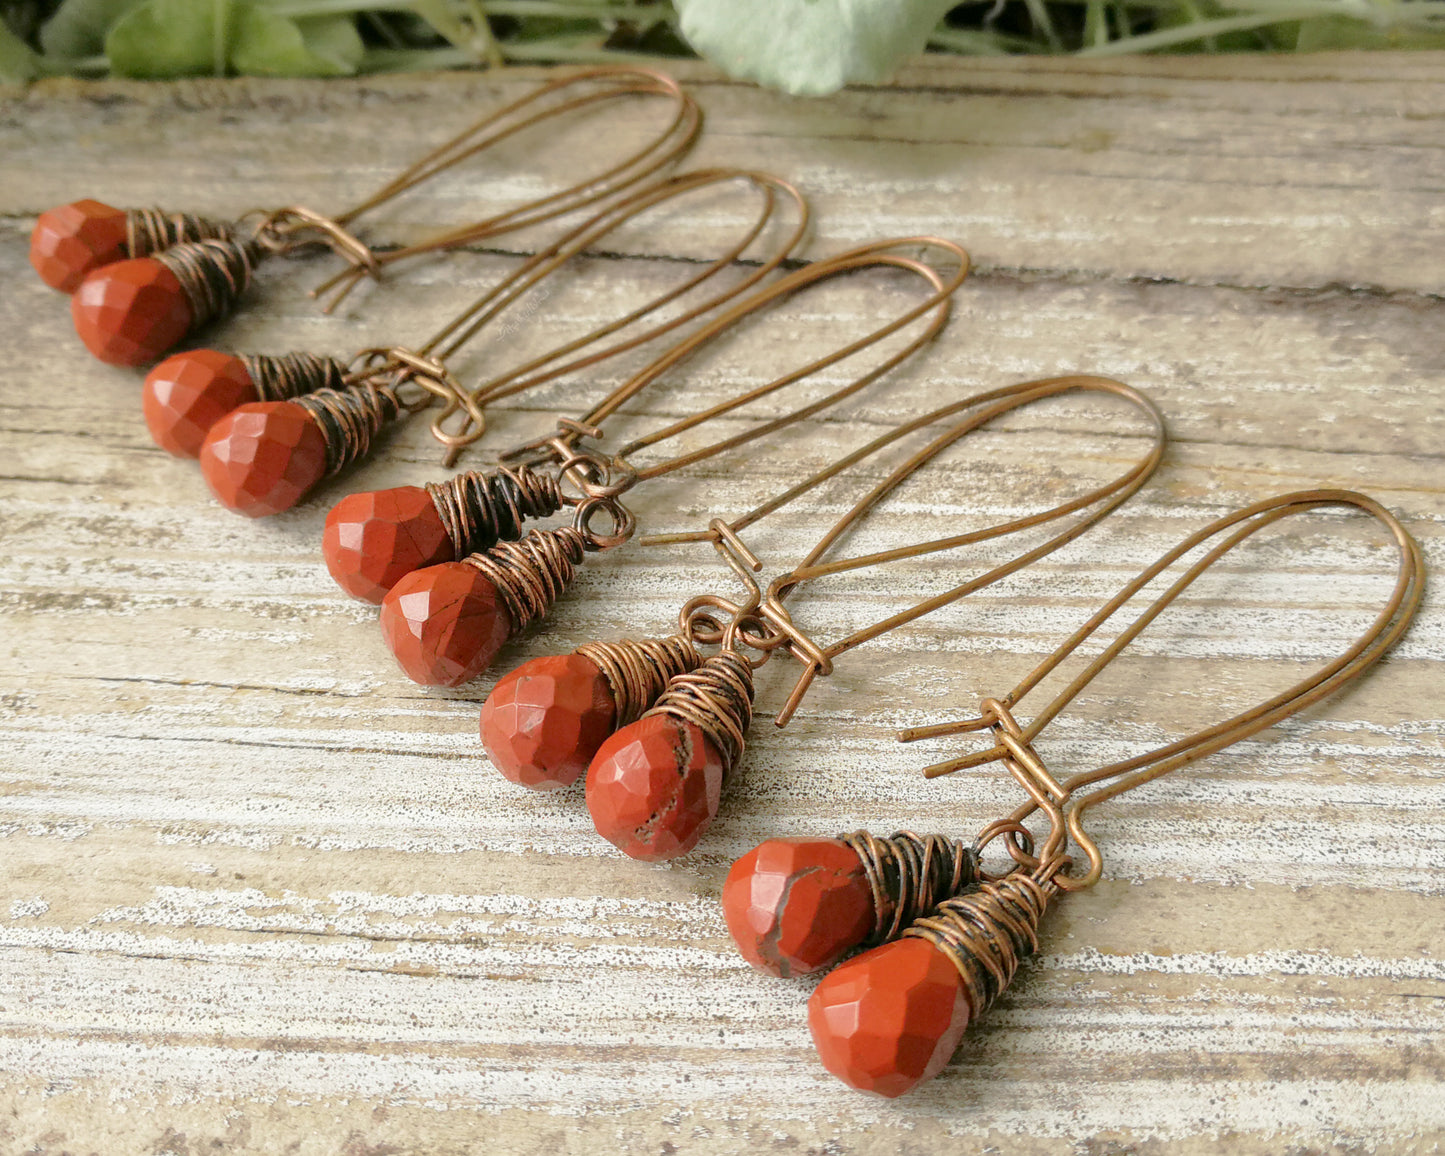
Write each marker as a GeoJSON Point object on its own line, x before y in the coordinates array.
{"type": "Point", "coordinates": [560, 361]}
{"type": "Point", "coordinates": [875, 254]}
{"type": "Point", "coordinates": [536, 107]}
{"type": "Point", "coordinates": [977, 410]}
{"type": "Point", "coordinates": [1066, 819]}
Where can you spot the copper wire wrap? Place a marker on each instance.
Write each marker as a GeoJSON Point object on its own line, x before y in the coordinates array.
{"type": "Point", "coordinates": [478, 509]}
{"type": "Point", "coordinates": [150, 231]}
{"type": "Point", "coordinates": [350, 419]}
{"type": "Point", "coordinates": [288, 375]}
{"type": "Point", "coordinates": [717, 698]}
{"type": "Point", "coordinates": [910, 875]}
{"type": "Point", "coordinates": [638, 672]}
{"type": "Point", "coordinates": [986, 933]}
{"type": "Point", "coordinates": [213, 274]}
{"type": "Point", "coordinates": [530, 574]}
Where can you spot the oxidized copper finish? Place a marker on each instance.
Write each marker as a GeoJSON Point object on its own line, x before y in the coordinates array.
{"type": "Point", "coordinates": [909, 874]}
{"type": "Point", "coordinates": [213, 274]}
{"type": "Point", "coordinates": [284, 376]}
{"type": "Point", "coordinates": [150, 231]}
{"type": "Point", "coordinates": [478, 509]}
{"type": "Point", "coordinates": [717, 698]}
{"type": "Point", "coordinates": [638, 672]}
{"type": "Point", "coordinates": [530, 574]}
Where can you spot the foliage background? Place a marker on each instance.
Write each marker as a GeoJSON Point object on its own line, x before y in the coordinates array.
{"type": "Point", "coordinates": [803, 46]}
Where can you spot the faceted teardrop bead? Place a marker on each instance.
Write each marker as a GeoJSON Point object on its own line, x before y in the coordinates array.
{"type": "Point", "coordinates": [188, 393]}
{"type": "Point", "coordinates": [373, 540]}
{"type": "Point", "coordinates": [795, 906]}
{"type": "Point", "coordinates": [130, 312]}
{"type": "Point", "coordinates": [654, 787]}
{"type": "Point", "coordinates": [444, 624]}
{"type": "Point", "coordinates": [262, 458]}
{"type": "Point", "coordinates": [544, 721]}
{"type": "Point", "coordinates": [889, 1019]}
{"type": "Point", "coordinates": [71, 240]}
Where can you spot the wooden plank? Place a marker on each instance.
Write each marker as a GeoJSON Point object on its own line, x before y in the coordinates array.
{"type": "Point", "coordinates": [261, 893]}
{"type": "Point", "coordinates": [1240, 171]}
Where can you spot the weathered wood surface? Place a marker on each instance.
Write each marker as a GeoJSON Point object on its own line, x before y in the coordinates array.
{"type": "Point", "coordinates": [260, 894]}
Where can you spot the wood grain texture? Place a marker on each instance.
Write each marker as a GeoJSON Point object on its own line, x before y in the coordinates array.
{"type": "Point", "coordinates": [260, 894]}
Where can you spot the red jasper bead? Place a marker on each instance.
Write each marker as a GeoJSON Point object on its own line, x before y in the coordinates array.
{"type": "Point", "coordinates": [261, 458]}
{"type": "Point", "coordinates": [373, 540]}
{"type": "Point", "coordinates": [890, 1018]}
{"type": "Point", "coordinates": [188, 393]}
{"type": "Point", "coordinates": [794, 906]}
{"type": "Point", "coordinates": [544, 721]}
{"type": "Point", "coordinates": [130, 312]}
{"type": "Point", "coordinates": [71, 240]}
{"type": "Point", "coordinates": [445, 624]}
{"type": "Point", "coordinates": [654, 787]}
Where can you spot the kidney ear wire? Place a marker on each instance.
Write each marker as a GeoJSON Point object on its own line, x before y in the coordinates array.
{"type": "Point", "coordinates": [817, 659]}
{"type": "Point", "coordinates": [1065, 802]}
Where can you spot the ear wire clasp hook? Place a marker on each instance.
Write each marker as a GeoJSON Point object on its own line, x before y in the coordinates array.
{"type": "Point", "coordinates": [285, 230]}
{"type": "Point", "coordinates": [1014, 748]}
{"type": "Point", "coordinates": [552, 447]}
{"type": "Point", "coordinates": [746, 626]}
{"type": "Point", "coordinates": [399, 367]}
{"type": "Point", "coordinates": [816, 661]}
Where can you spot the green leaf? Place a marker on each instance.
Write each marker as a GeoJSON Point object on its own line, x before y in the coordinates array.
{"type": "Point", "coordinates": [439, 15]}
{"type": "Point", "coordinates": [1201, 11]}
{"type": "Point", "coordinates": [270, 45]}
{"type": "Point", "coordinates": [17, 61]}
{"type": "Point", "coordinates": [163, 39]}
{"type": "Point", "coordinates": [809, 47]}
{"type": "Point", "coordinates": [473, 35]}
{"type": "Point", "coordinates": [1328, 33]}
{"type": "Point", "coordinates": [533, 29]}
{"type": "Point", "coordinates": [78, 27]}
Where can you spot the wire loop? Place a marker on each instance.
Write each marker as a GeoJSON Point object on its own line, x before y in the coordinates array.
{"type": "Point", "coordinates": [285, 231]}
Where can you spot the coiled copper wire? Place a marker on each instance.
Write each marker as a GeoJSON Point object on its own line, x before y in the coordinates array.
{"type": "Point", "coordinates": [717, 698]}
{"type": "Point", "coordinates": [530, 574]}
{"type": "Point", "coordinates": [150, 231]}
{"type": "Point", "coordinates": [213, 274]}
{"type": "Point", "coordinates": [910, 875]}
{"type": "Point", "coordinates": [478, 509]}
{"type": "Point", "coordinates": [350, 419]}
{"type": "Point", "coordinates": [284, 376]}
{"type": "Point", "coordinates": [987, 932]}
{"type": "Point", "coordinates": [638, 672]}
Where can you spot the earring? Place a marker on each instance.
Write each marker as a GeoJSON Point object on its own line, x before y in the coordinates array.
{"type": "Point", "coordinates": [144, 279]}
{"type": "Point", "coordinates": [890, 1018]}
{"type": "Point", "coordinates": [266, 430]}
{"type": "Point", "coordinates": [654, 785]}
{"type": "Point", "coordinates": [446, 622]}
